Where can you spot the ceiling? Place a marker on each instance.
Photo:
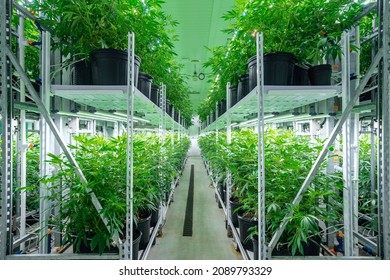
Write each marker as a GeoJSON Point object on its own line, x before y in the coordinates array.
{"type": "Point", "coordinates": [200, 26]}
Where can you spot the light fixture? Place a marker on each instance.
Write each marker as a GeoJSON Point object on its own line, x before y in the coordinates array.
{"type": "Point", "coordinates": [134, 118]}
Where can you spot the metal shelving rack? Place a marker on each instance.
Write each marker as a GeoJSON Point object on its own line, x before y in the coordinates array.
{"type": "Point", "coordinates": [125, 97]}
{"type": "Point", "coordinates": [278, 98]}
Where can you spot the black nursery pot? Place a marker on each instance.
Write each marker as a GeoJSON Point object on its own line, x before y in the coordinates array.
{"type": "Point", "coordinates": [86, 248]}
{"type": "Point", "coordinates": [176, 117]}
{"type": "Point", "coordinates": [278, 69]}
{"type": "Point", "coordinates": [233, 96]}
{"type": "Point", "coordinates": [143, 225]}
{"type": "Point", "coordinates": [243, 87]}
{"type": "Point", "coordinates": [320, 75]}
{"type": "Point", "coordinates": [222, 193]}
{"type": "Point", "coordinates": [82, 73]}
{"type": "Point", "coordinates": [244, 226]}
{"type": "Point", "coordinates": [301, 75]}
{"type": "Point", "coordinates": [255, 242]}
{"type": "Point", "coordinates": [221, 107]}
{"type": "Point", "coordinates": [233, 213]}
{"type": "Point", "coordinates": [154, 96]}
{"type": "Point", "coordinates": [109, 67]}
{"type": "Point", "coordinates": [311, 248]}
{"type": "Point", "coordinates": [145, 84]}
{"type": "Point", "coordinates": [168, 107]}
{"type": "Point", "coordinates": [155, 216]}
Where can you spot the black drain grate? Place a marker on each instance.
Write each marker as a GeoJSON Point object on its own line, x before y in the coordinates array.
{"type": "Point", "coordinates": [187, 229]}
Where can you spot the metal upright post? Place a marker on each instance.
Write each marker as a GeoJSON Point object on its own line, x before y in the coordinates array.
{"type": "Point", "coordinates": [329, 125]}
{"type": "Point", "coordinates": [163, 100]}
{"type": "Point", "coordinates": [373, 162]}
{"type": "Point", "coordinates": [173, 127]}
{"type": "Point", "coordinates": [228, 142]}
{"type": "Point", "coordinates": [163, 107]}
{"type": "Point", "coordinates": [6, 136]}
{"type": "Point", "coordinates": [22, 143]}
{"type": "Point", "coordinates": [180, 126]}
{"type": "Point", "coordinates": [216, 117]}
{"type": "Point", "coordinates": [128, 244]}
{"type": "Point", "coordinates": [348, 158]}
{"type": "Point", "coordinates": [384, 132]}
{"type": "Point", "coordinates": [260, 172]}
{"type": "Point", "coordinates": [45, 144]}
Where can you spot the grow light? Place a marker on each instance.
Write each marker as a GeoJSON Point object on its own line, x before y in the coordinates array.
{"type": "Point", "coordinates": [87, 116]}
{"type": "Point", "coordinates": [134, 118]}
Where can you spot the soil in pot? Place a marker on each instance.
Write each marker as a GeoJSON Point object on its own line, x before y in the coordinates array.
{"type": "Point", "coordinates": [243, 87]}
{"type": "Point", "coordinates": [244, 224]}
{"type": "Point", "coordinates": [109, 67]}
{"type": "Point", "coordinates": [154, 95]}
{"type": "Point", "coordinates": [301, 75]}
{"type": "Point", "coordinates": [145, 84]}
{"type": "Point", "coordinates": [143, 225]}
{"type": "Point", "coordinates": [233, 96]}
{"type": "Point", "coordinates": [82, 73]}
{"type": "Point", "coordinates": [320, 75]}
{"type": "Point", "coordinates": [234, 205]}
{"type": "Point", "coordinates": [278, 69]}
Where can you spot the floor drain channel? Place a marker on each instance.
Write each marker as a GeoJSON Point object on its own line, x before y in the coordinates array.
{"type": "Point", "coordinates": [187, 229]}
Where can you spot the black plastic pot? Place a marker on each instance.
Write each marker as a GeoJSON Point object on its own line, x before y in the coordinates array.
{"type": "Point", "coordinates": [243, 87]}
{"type": "Point", "coordinates": [221, 107]}
{"type": "Point", "coordinates": [222, 193]}
{"type": "Point", "coordinates": [86, 249]}
{"type": "Point", "coordinates": [168, 107]}
{"type": "Point", "coordinates": [233, 213]}
{"type": "Point", "coordinates": [155, 216]}
{"type": "Point", "coordinates": [212, 117]}
{"type": "Point", "coordinates": [278, 69]}
{"type": "Point", "coordinates": [244, 225]}
{"type": "Point", "coordinates": [137, 234]}
{"type": "Point", "coordinates": [311, 248]}
{"type": "Point", "coordinates": [154, 96]}
{"type": "Point", "coordinates": [320, 75]}
{"type": "Point", "coordinates": [255, 243]}
{"type": "Point", "coordinates": [82, 73]}
{"type": "Point", "coordinates": [233, 96]}
{"type": "Point", "coordinates": [252, 64]}
{"type": "Point", "coordinates": [145, 84]}
{"type": "Point", "coordinates": [143, 225]}
{"type": "Point", "coordinates": [109, 67]}
{"type": "Point", "coordinates": [301, 75]}
{"type": "Point", "coordinates": [176, 118]}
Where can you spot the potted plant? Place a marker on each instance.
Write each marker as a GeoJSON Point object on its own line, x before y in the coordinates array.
{"type": "Point", "coordinates": [285, 171]}
{"type": "Point", "coordinates": [94, 34]}
{"type": "Point", "coordinates": [293, 29]}
{"type": "Point", "coordinates": [103, 162]}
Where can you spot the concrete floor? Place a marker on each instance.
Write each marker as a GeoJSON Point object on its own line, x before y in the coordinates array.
{"type": "Point", "coordinates": [209, 240]}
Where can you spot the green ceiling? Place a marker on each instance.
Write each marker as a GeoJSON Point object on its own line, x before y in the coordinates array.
{"type": "Point", "coordinates": [200, 26]}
